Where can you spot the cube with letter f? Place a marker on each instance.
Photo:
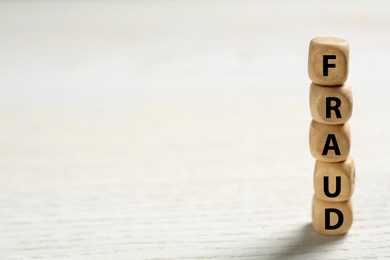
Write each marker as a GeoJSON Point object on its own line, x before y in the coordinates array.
{"type": "Point", "coordinates": [328, 61]}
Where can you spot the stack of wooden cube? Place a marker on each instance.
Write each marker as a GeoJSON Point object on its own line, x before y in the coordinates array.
{"type": "Point", "coordinates": [330, 136]}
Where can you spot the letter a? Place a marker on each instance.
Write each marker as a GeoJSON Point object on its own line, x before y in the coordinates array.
{"type": "Point", "coordinates": [335, 146]}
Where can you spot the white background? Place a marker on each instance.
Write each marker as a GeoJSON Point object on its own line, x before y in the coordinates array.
{"type": "Point", "coordinates": [179, 129]}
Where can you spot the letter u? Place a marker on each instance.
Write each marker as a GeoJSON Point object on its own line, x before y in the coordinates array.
{"type": "Point", "coordinates": [326, 187]}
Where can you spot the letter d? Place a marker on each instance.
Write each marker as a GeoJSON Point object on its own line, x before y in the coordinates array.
{"type": "Point", "coordinates": [340, 218]}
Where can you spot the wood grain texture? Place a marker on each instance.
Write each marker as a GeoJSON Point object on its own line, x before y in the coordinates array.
{"type": "Point", "coordinates": [331, 105]}
{"type": "Point", "coordinates": [179, 130]}
{"type": "Point", "coordinates": [332, 218]}
{"type": "Point", "coordinates": [330, 143]}
{"type": "Point", "coordinates": [345, 171]}
{"type": "Point", "coordinates": [338, 51]}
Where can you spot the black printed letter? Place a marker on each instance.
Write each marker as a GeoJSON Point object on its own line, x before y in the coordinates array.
{"type": "Point", "coordinates": [335, 146]}
{"type": "Point", "coordinates": [326, 65]}
{"type": "Point", "coordinates": [335, 108]}
{"type": "Point", "coordinates": [327, 218]}
{"type": "Point", "coordinates": [326, 187]}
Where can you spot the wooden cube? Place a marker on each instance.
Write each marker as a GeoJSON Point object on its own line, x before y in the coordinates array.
{"type": "Point", "coordinates": [331, 218]}
{"type": "Point", "coordinates": [331, 105]}
{"type": "Point", "coordinates": [330, 143]}
{"type": "Point", "coordinates": [328, 61]}
{"type": "Point", "coordinates": [334, 181]}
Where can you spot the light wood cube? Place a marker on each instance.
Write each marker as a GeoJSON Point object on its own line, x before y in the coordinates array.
{"type": "Point", "coordinates": [329, 143]}
{"type": "Point", "coordinates": [331, 218]}
{"type": "Point", "coordinates": [328, 61]}
{"type": "Point", "coordinates": [331, 105]}
{"type": "Point", "coordinates": [334, 181]}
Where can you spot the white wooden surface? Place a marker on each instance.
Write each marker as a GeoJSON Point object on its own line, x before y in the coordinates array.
{"type": "Point", "coordinates": [179, 130]}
